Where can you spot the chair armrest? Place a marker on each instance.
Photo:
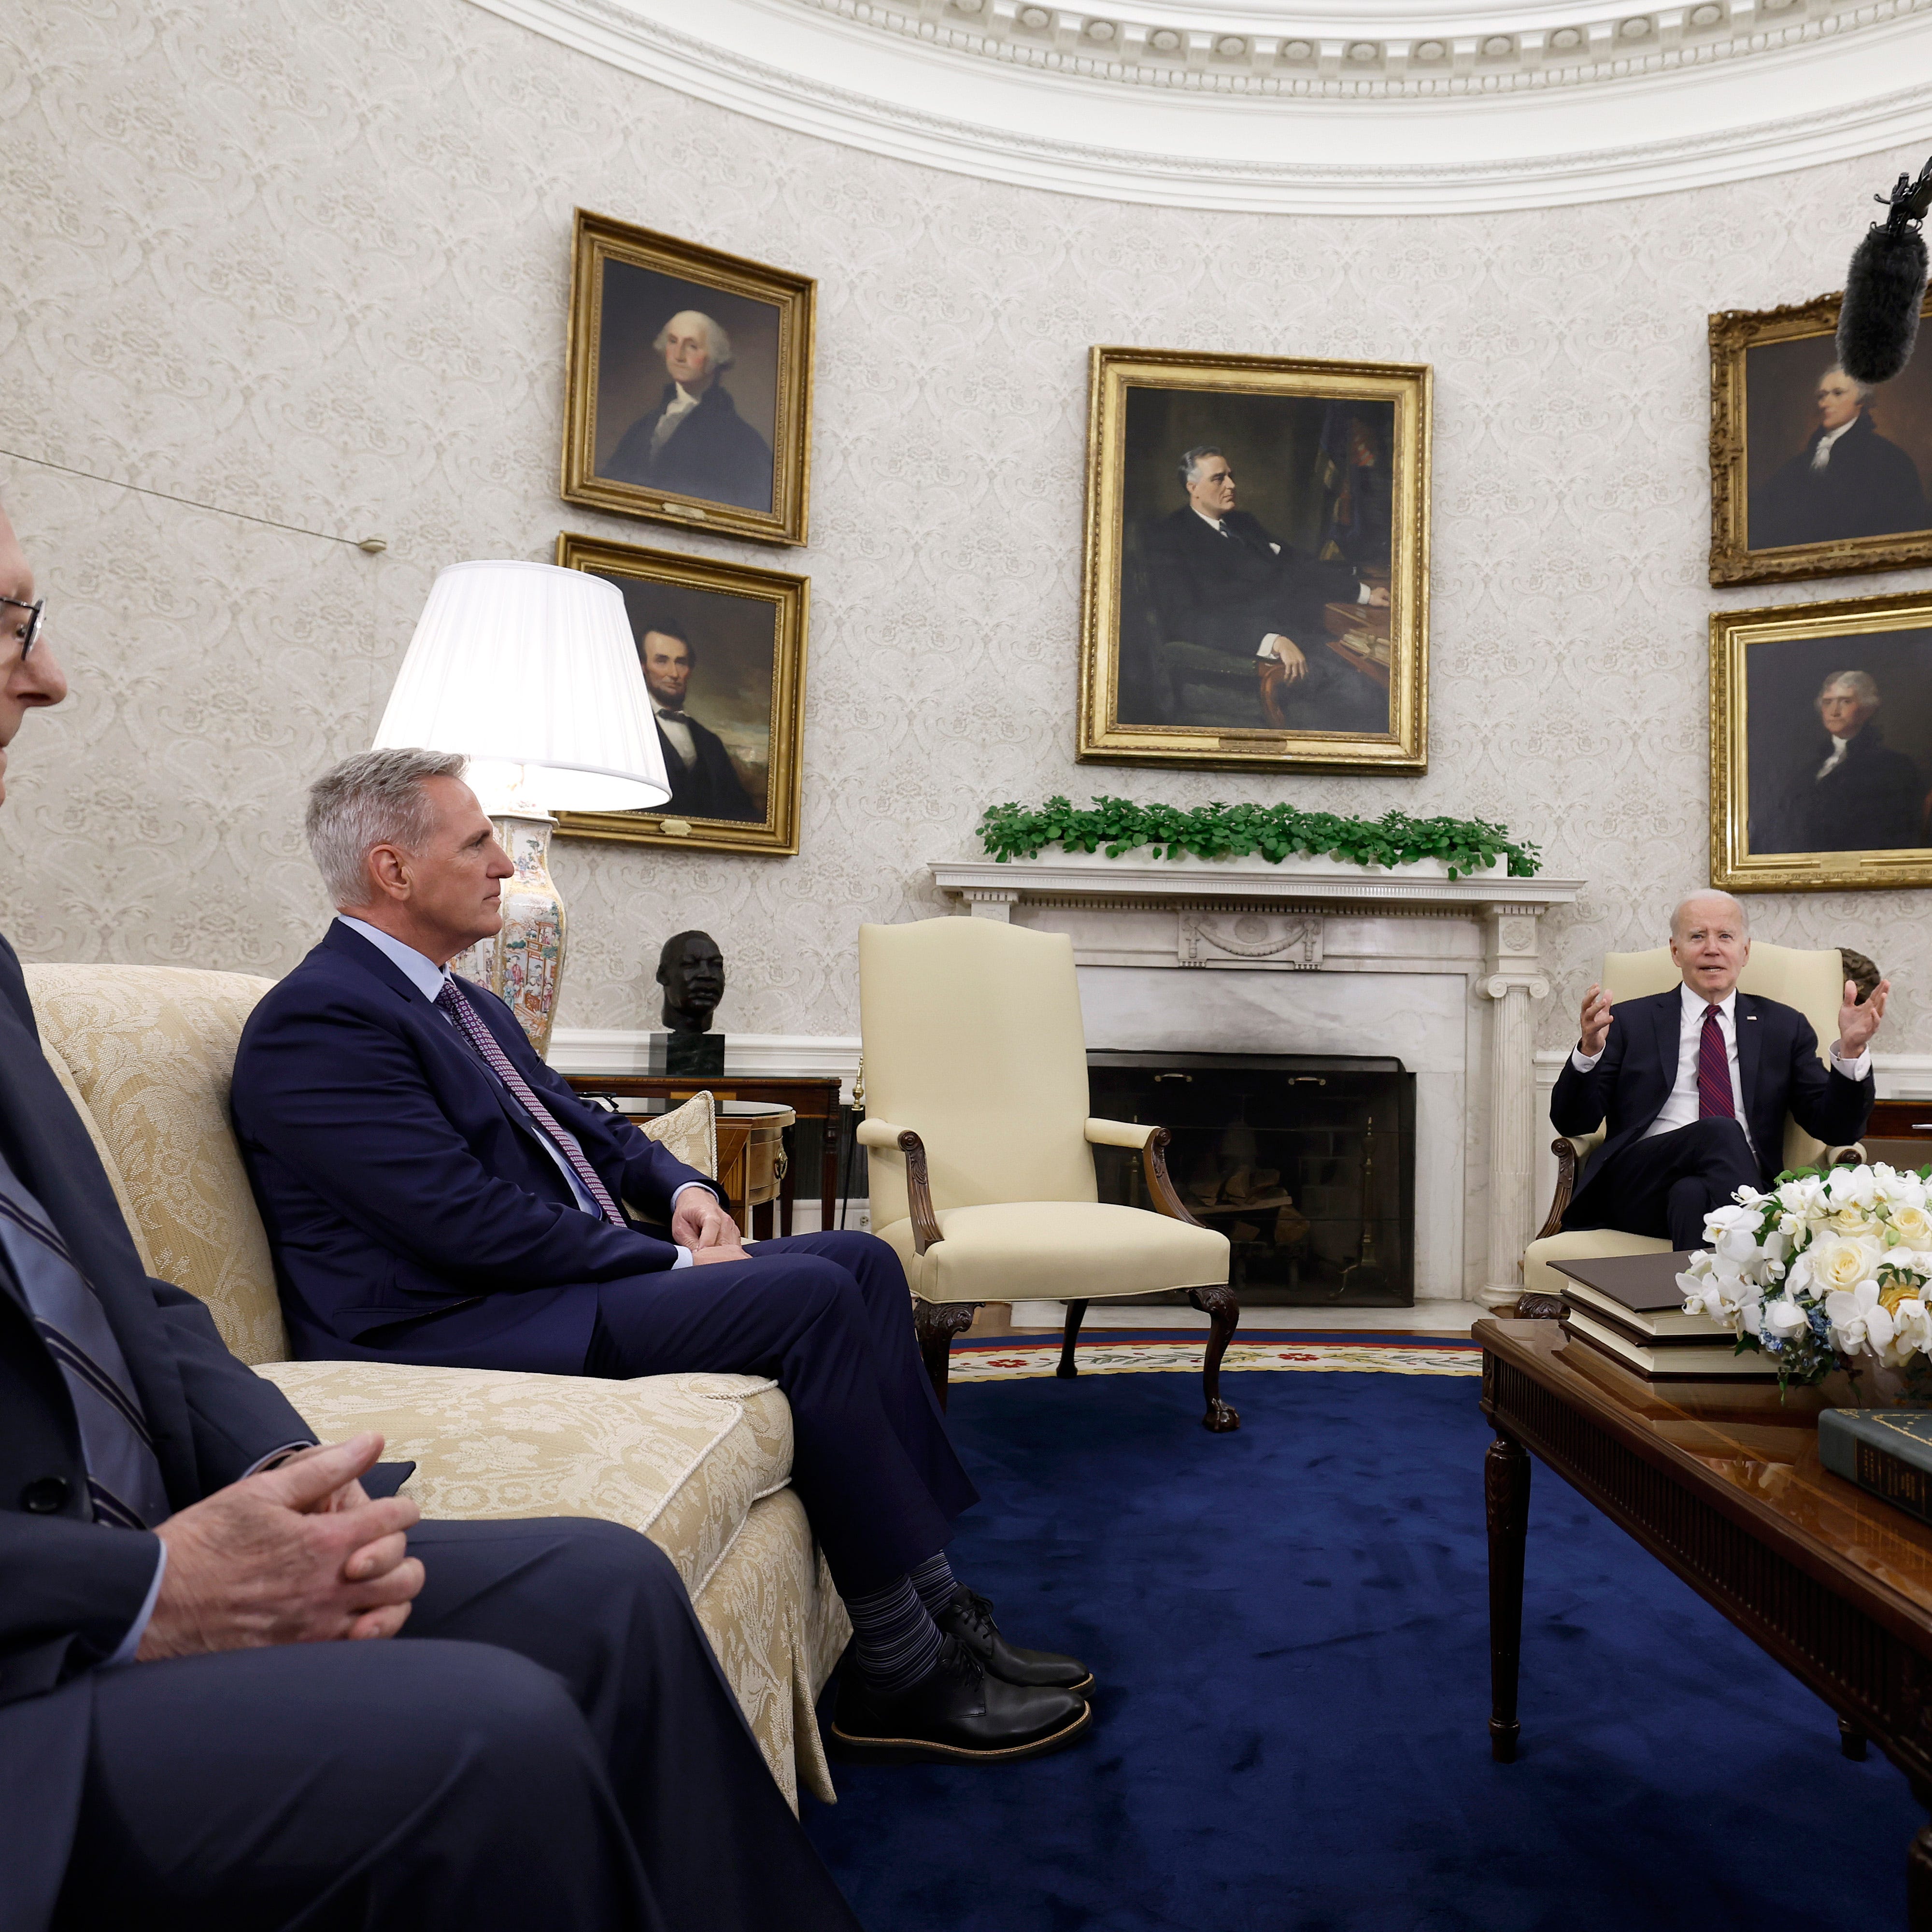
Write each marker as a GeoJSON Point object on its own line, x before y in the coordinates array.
{"type": "Point", "coordinates": [1119, 1133]}
{"type": "Point", "coordinates": [1161, 1194]}
{"type": "Point", "coordinates": [882, 1137]}
{"type": "Point", "coordinates": [1851, 1154]}
{"type": "Point", "coordinates": [1566, 1151]}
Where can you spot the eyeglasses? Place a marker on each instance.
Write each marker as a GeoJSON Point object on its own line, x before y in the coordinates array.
{"type": "Point", "coordinates": [28, 630]}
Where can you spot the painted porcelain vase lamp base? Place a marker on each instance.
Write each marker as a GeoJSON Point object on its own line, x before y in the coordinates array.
{"type": "Point", "coordinates": [532, 672]}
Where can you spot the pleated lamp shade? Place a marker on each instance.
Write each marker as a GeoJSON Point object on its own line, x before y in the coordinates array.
{"type": "Point", "coordinates": [532, 673]}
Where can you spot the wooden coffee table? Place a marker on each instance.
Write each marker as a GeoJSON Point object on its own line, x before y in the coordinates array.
{"type": "Point", "coordinates": [1724, 1485]}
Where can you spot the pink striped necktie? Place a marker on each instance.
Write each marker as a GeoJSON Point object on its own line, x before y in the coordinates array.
{"type": "Point", "coordinates": [1713, 1071]}
{"type": "Point", "coordinates": [455, 1002]}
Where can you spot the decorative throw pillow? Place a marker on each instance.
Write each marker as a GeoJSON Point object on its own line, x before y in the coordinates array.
{"type": "Point", "coordinates": [690, 1132]}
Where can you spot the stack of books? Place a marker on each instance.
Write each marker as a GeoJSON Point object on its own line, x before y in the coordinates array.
{"type": "Point", "coordinates": [1629, 1308]}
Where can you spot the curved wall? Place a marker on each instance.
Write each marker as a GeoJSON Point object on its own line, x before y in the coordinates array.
{"type": "Point", "coordinates": [312, 263]}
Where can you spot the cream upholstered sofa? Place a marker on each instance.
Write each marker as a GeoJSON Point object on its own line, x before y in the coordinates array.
{"type": "Point", "coordinates": [699, 1462]}
{"type": "Point", "coordinates": [1813, 983]}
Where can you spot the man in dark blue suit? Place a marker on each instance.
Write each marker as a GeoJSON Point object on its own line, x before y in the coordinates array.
{"type": "Point", "coordinates": [1697, 1082]}
{"type": "Point", "coordinates": [434, 1193]}
{"type": "Point", "coordinates": [203, 1721]}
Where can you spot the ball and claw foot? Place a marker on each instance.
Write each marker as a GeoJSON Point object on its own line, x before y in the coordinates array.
{"type": "Point", "coordinates": [1220, 1418]}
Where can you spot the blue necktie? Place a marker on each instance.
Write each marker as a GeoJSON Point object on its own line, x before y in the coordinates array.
{"type": "Point", "coordinates": [123, 1474]}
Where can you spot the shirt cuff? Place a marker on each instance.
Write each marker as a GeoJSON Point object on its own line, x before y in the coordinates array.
{"type": "Point", "coordinates": [683, 1259]}
{"type": "Point", "coordinates": [138, 1629]}
{"type": "Point", "coordinates": [269, 1461]}
{"type": "Point", "coordinates": [686, 1187]}
{"type": "Point", "coordinates": [1364, 593]}
{"type": "Point", "coordinates": [1853, 1069]}
{"type": "Point", "coordinates": [1583, 1061]}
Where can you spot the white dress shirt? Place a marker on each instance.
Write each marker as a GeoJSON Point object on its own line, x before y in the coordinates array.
{"type": "Point", "coordinates": [1681, 1109]}
{"type": "Point", "coordinates": [677, 728]}
{"type": "Point", "coordinates": [1840, 746]}
{"type": "Point", "coordinates": [429, 979]}
{"type": "Point", "coordinates": [1821, 457]}
{"type": "Point", "coordinates": [676, 410]}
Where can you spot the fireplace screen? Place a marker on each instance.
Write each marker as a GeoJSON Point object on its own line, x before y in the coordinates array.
{"type": "Point", "coordinates": [1306, 1163]}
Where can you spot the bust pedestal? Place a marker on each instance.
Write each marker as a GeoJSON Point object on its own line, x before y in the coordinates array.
{"type": "Point", "coordinates": [700, 1053]}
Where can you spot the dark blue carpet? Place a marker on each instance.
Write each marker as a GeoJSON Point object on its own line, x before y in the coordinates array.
{"type": "Point", "coordinates": [1290, 1629]}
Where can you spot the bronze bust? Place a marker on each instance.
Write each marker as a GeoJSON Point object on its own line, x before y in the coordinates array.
{"type": "Point", "coordinates": [691, 969]}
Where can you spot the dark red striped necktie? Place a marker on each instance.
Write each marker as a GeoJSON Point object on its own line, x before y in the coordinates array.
{"type": "Point", "coordinates": [1713, 1071]}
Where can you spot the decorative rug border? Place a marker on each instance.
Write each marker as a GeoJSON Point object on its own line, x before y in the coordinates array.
{"type": "Point", "coordinates": [997, 1358]}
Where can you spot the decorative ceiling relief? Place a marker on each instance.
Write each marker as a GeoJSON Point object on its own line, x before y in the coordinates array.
{"type": "Point", "coordinates": [1341, 105]}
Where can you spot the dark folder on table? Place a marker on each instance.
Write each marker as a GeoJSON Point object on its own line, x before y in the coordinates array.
{"type": "Point", "coordinates": [1641, 1282]}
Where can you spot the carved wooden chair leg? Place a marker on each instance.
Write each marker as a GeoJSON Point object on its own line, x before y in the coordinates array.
{"type": "Point", "coordinates": [1222, 1309]}
{"type": "Point", "coordinates": [935, 1323]}
{"type": "Point", "coordinates": [1076, 1313]}
{"type": "Point", "coordinates": [1852, 1741]}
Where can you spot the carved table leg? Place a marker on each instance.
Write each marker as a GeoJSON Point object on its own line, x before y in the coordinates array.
{"type": "Point", "coordinates": [936, 1323]}
{"type": "Point", "coordinates": [1506, 1495]}
{"type": "Point", "coordinates": [1223, 1311]}
{"type": "Point", "coordinates": [1852, 1741]}
{"type": "Point", "coordinates": [1076, 1313]}
{"type": "Point", "coordinates": [1918, 1880]}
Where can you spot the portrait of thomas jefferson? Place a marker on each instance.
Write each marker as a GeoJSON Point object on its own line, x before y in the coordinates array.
{"type": "Point", "coordinates": [1842, 788]}
{"type": "Point", "coordinates": [1847, 481]}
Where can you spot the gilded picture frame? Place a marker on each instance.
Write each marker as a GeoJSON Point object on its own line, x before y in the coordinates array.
{"type": "Point", "coordinates": [723, 650]}
{"type": "Point", "coordinates": [1305, 523]}
{"type": "Point", "coordinates": [688, 385]}
{"type": "Point", "coordinates": [1778, 514]}
{"type": "Point", "coordinates": [1821, 745]}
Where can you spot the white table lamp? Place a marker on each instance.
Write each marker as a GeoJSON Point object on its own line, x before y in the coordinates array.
{"type": "Point", "coordinates": [531, 672]}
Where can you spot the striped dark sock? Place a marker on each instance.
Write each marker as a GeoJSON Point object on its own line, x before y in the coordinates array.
{"type": "Point", "coordinates": [894, 1639]}
{"type": "Point", "coordinates": [935, 1582]}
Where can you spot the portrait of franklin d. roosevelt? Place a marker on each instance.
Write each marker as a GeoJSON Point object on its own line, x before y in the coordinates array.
{"type": "Point", "coordinates": [1254, 561]}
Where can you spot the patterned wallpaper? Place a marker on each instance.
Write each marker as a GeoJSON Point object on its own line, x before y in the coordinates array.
{"type": "Point", "coordinates": [308, 259]}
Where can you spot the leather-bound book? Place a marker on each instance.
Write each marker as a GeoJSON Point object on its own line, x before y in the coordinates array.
{"type": "Point", "coordinates": [1886, 1451]}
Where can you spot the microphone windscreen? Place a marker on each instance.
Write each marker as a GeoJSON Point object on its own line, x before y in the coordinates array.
{"type": "Point", "coordinates": [1879, 318]}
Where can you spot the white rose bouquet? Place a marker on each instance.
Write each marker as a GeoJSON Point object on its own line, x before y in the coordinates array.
{"type": "Point", "coordinates": [1827, 1270]}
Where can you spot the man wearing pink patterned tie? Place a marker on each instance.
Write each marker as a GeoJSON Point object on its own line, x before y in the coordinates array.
{"type": "Point", "coordinates": [1696, 1083]}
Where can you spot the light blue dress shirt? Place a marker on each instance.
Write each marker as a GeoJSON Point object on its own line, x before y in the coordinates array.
{"type": "Point", "coordinates": [428, 979]}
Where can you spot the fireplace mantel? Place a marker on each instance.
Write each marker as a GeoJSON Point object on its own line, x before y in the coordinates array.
{"type": "Point", "coordinates": [1469, 949]}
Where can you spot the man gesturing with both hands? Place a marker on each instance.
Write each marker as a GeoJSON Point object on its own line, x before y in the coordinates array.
{"type": "Point", "coordinates": [1696, 1083]}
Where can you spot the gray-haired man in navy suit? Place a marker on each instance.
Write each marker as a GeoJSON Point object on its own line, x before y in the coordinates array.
{"type": "Point", "coordinates": [1697, 1082]}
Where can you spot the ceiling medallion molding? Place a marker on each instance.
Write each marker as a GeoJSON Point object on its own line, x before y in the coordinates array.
{"type": "Point", "coordinates": [1174, 146]}
{"type": "Point", "coordinates": [1113, 50]}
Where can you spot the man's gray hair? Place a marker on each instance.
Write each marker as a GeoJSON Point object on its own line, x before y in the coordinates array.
{"type": "Point", "coordinates": [1710, 892]}
{"type": "Point", "coordinates": [376, 798]}
{"type": "Point", "coordinates": [1864, 389]}
{"type": "Point", "coordinates": [717, 344]}
{"type": "Point", "coordinates": [1191, 460]}
{"type": "Point", "coordinates": [1858, 682]}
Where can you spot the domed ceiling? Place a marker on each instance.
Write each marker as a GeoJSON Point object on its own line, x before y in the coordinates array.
{"type": "Point", "coordinates": [1342, 106]}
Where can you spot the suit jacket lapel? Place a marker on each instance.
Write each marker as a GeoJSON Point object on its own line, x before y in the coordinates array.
{"type": "Point", "coordinates": [1668, 1018]}
{"type": "Point", "coordinates": [1750, 1028]}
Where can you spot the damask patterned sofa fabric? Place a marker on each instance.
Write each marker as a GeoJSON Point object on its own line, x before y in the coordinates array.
{"type": "Point", "coordinates": [699, 1464]}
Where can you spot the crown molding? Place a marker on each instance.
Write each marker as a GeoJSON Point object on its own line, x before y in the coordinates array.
{"type": "Point", "coordinates": [1822, 88]}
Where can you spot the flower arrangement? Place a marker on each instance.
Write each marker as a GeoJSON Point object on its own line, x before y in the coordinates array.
{"type": "Point", "coordinates": [1830, 1269]}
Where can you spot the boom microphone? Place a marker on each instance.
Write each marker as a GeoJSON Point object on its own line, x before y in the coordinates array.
{"type": "Point", "coordinates": [1885, 285]}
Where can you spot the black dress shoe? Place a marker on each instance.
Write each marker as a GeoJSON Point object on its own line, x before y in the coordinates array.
{"type": "Point", "coordinates": [955, 1713]}
{"type": "Point", "coordinates": [969, 1617]}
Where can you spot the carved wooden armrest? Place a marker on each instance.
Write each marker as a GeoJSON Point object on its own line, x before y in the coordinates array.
{"type": "Point", "coordinates": [882, 1136]}
{"type": "Point", "coordinates": [1119, 1133]}
{"type": "Point", "coordinates": [1565, 1151]}
{"type": "Point", "coordinates": [1851, 1154]}
{"type": "Point", "coordinates": [1154, 1170]}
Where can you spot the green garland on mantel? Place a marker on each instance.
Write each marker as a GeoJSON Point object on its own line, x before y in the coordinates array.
{"type": "Point", "coordinates": [1118, 826]}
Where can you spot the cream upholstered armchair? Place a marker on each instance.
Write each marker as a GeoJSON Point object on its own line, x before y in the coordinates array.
{"type": "Point", "coordinates": [1813, 982]}
{"type": "Point", "coordinates": [981, 1148]}
{"type": "Point", "coordinates": [701, 1463]}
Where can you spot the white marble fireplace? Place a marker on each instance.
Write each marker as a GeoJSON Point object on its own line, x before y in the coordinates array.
{"type": "Point", "coordinates": [1314, 956]}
